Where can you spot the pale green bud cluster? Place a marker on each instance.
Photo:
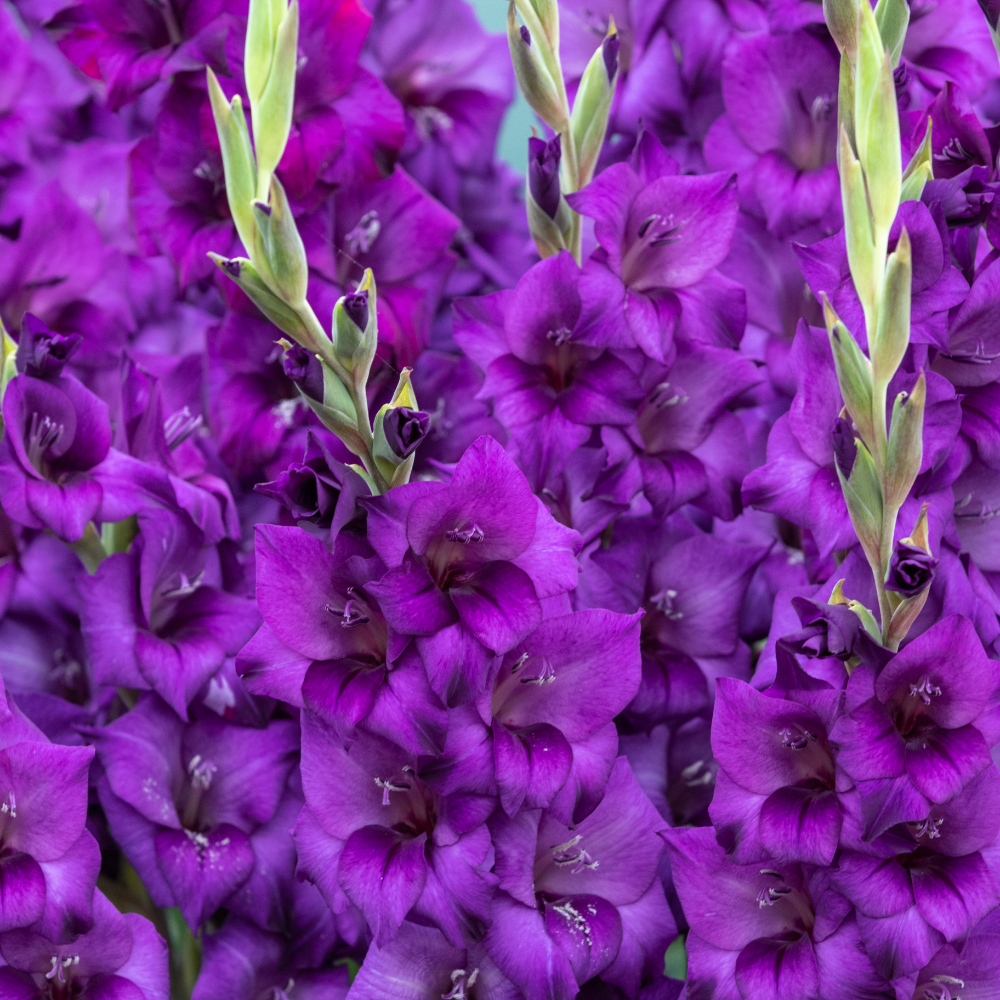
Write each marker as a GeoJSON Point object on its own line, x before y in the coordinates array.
{"type": "Point", "coordinates": [873, 184]}
{"type": "Point", "coordinates": [534, 49]}
{"type": "Point", "coordinates": [275, 272]}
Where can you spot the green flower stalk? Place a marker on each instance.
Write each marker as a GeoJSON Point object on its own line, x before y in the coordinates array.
{"type": "Point", "coordinates": [873, 183]}
{"type": "Point", "coordinates": [534, 50]}
{"type": "Point", "coordinates": [275, 272]}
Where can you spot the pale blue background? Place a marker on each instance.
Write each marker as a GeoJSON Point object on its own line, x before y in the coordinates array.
{"type": "Point", "coordinates": [513, 144]}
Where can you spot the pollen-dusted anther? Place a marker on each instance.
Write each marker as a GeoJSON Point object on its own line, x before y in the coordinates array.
{"type": "Point", "coordinates": [771, 895]}
{"type": "Point", "coordinates": [796, 741]}
{"type": "Point", "coordinates": [560, 336]}
{"type": "Point", "coordinates": [9, 806]}
{"type": "Point", "coordinates": [571, 853]}
{"type": "Point", "coordinates": [929, 828]}
{"type": "Point", "coordinates": [925, 690]}
{"type": "Point", "coordinates": [388, 786]}
{"type": "Point", "coordinates": [460, 982]}
{"type": "Point", "coordinates": [363, 236]}
{"type": "Point", "coordinates": [60, 966]}
{"type": "Point", "coordinates": [465, 535]}
{"type": "Point", "coordinates": [664, 603]}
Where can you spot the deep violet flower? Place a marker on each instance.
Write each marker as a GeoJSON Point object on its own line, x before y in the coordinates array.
{"type": "Point", "coordinates": [375, 834]}
{"type": "Point", "coordinates": [183, 800]}
{"type": "Point", "coordinates": [910, 570]}
{"type": "Point", "coordinates": [48, 860]}
{"type": "Point", "coordinates": [121, 956]}
{"type": "Point", "coordinates": [543, 173]}
{"type": "Point", "coordinates": [761, 930]}
{"type": "Point", "coordinates": [325, 643]}
{"type": "Point", "coordinates": [471, 560]}
{"type": "Point", "coordinates": [911, 734]}
{"type": "Point", "coordinates": [575, 903]}
{"type": "Point", "coordinates": [158, 618]}
{"type": "Point", "coordinates": [42, 353]}
{"type": "Point", "coordinates": [661, 236]}
{"type": "Point", "coordinates": [57, 467]}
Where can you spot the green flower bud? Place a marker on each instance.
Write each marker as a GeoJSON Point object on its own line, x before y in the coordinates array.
{"type": "Point", "coordinates": [842, 20]}
{"type": "Point", "coordinates": [399, 427]}
{"type": "Point", "coordinates": [867, 68]}
{"type": "Point", "coordinates": [861, 254]}
{"type": "Point", "coordinates": [237, 159]}
{"type": "Point", "coordinates": [906, 444]}
{"type": "Point", "coordinates": [355, 344]}
{"type": "Point", "coordinates": [536, 81]}
{"type": "Point", "coordinates": [863, 496]}
{"type": "Point", "coordinates": [892, 18]}
{"type": "Point", "coordinates": [337, 411]}
{"type": "Point", "coordinates": [881, 159]}
{"type": "Point", "coordinates": [282, 246]}
{"type": "Point", "coordinates": [243, 272]}
{"type": "Point", "coordinates": [262, 26]}
{"type": "Point", "coordinates": [919, 170]}
{"type": "Point", "coordinates": [272, 113]}
{"type": "Point", "coordinates": [854, 373]}
{"type": "Point", "coordinates": [892, 335]}
{"type": "Point", "coordinates": [589, 120]}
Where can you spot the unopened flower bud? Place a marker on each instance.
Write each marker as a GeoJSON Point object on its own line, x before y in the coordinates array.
{"type": "Point", "coordinates": [404, 429]}
{"type": "Point", "coordinates": [910, 570]}
{"type": "Point", "coordinates": [305, 370]}
{"type": "Point", "coordinates": [356, 307]}
{"type": "Point", "coordinates": [543, 173]}
{"type": "Point", "coordinates": [42, 353]}
{"type": "Point", "coordinates": [845, 450]}
{"type": "Point", "coordinates": [526, 35]}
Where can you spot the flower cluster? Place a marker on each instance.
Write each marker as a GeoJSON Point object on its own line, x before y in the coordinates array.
{"type": "Point", "coordinates": [421, 581]}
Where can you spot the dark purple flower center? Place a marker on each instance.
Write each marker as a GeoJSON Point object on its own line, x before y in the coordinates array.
{"type": "Point", "coordinates": [200, 772]}
{"type": "Point", "coordinates": [43, 435]}
{"type": "Point", "coordinates": [527, 669]}
{"type": "Point", "coordinates": [939, 988]}
{"type": "Point", "coordinates": [61, 977]}
{"type": "Point", "coordinates": [910, 710]}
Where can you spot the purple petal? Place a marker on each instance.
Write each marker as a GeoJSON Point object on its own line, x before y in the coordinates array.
{"type": "Point", "coordinates": [785, 970]}
{"type": "Point", "coordinates": [532, 764]}
{"type": "Point", "coordinates": [801, 824]}
{"type": "Point", "coordinates": [587, 930]}
{"type": "Point", "coordinates": [22, 891]}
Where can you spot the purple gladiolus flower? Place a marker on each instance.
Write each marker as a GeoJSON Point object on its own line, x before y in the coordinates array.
{"type": "Point", "coordinates": [42, 353]}
{"type": "Point", "coordinates": [471, 561]}
{"type": "Point", "coordinates": [122, 956]}
{"type": "Point", "coordinates": [910, 737]}
{"type": "Point", "coordinates": [377, 835]}
{"type": "Point", "coordinates": [57, 468]}
{"type": "Point", "coordinates": [326, 643]}
{"type": "Point", "coordinates": [661, 236]}
{"type": "Point", "coordinates": [183, 800]}
{"type": "Point", "coordinates": [157, 617]}
{"type": "Point", "coordinates": [48, 860]}
{"type": "Point", "coordinates": [577, 903]}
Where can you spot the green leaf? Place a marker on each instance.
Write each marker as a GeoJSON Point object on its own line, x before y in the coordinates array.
{"type": "Point", "coordinates": [892, 336]}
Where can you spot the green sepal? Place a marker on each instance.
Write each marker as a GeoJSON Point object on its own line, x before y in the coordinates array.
{"type": "Point", "coordinates": [919, 170]}
{"type": "Point", "coordinates": [845, 105]}
{"type": "Point", "coordinates": [237, 159]}
{"type": "Point", "coordinates": [550, 235]}
{"type": "Point", "coordinates": [867, 69]}
{"type": "Point", "coordinates": [353, 347]}
{"type": "Point", "coordinates": [881, 161]}
{"type": "Point", "coordinates": [841, 18]}
{"type": "Point", "coordinates": [533, 76]}
{"type": "Point", "coordinates": [858, 227]}
{"type": "Point", "coordinates": [906, 444]}
{"type": "Point", "coordinates": [892, 18]}
{"type": "Point", "coordinates": [8, 362]}
{"type": "Point", "coordinates": [591, 106]}
{"type": "Point", "coordinates": [854, 373]}
{"type": "Point", "coordinates": [259, 48]}
{"type": "Point", "coordinates": [903, 617]}
{"type": "Point", "coordinates": [337, 411]}
{"type": "Point", "coordinates": [283, 246]}
{"type": "Point", "coordinates": [892, 335]}
{"type": "Point", "coordinates": [272, 116]}
{"type": "Point", "coordinates": [863, 496]}
{"type": "Point", "coordinates": [243, 272]}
